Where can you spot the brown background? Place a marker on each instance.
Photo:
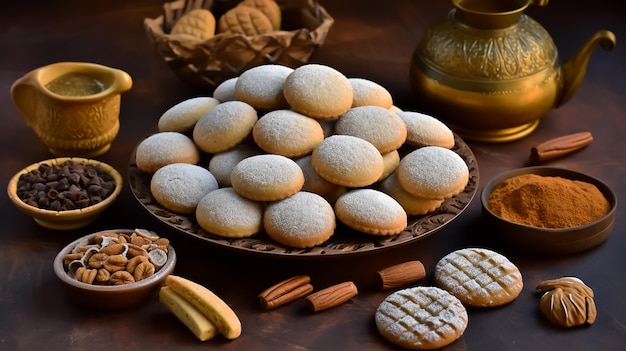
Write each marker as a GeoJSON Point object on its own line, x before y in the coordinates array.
{"type": "Point", "coordinates": [370, 39]}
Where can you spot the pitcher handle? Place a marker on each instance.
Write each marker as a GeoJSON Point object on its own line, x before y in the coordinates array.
{"type": "Point", "coordinates": [24, 95]}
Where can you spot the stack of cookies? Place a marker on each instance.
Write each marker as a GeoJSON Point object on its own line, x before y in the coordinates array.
{"type": "Point", "coordinates": [292, 152]}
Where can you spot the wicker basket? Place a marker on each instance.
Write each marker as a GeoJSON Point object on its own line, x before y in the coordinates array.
{"type": "Point", "coordinates": [205, 64]}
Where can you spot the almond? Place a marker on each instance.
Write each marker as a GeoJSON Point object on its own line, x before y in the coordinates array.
{"type": "Point", "coordinates": [285, 291]}
{"type": "Point", "coordinates": [332, 296]}
{"type": "Point", "coordinates": [401, 274]}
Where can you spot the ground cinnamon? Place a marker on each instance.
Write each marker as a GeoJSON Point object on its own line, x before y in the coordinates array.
{"type": "Point", "coordinates": [547, 201]}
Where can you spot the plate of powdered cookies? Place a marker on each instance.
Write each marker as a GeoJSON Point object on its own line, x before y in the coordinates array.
{"type": "Point", "coordinates": [302, 162]}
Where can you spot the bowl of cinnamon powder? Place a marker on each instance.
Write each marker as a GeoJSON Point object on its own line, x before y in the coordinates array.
{"type": "Point", "coordinates": [548, 210]}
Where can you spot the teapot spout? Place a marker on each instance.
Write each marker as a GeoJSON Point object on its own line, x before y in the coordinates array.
{"type": "Point", "coordinates": [574, 68]}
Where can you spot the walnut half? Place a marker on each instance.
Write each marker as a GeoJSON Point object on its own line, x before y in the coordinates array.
{"type": "Point", "coordinates": [567, 302]}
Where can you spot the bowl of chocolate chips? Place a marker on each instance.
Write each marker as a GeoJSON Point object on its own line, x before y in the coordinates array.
{"type": "Point", "coordinates": [65, 193]}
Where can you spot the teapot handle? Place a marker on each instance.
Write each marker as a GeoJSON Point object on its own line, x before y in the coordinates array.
{"type": "Point", "coordinates": [25, 95]}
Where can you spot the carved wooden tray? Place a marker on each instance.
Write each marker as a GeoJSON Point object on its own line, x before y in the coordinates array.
{"type": "Point", "coordinates": [344, 241]}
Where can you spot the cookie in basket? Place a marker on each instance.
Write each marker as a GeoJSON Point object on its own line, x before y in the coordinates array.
{"type": "Point", "coordinates": [244, 20]}
{"type": "Point", "coordinates": [269, 8]}
{"type": "Point", "coordinates": [198, 23]}
{"type": "Point", "coordinates": [479, 277]}
{"type": "Point", "coordinates": [421, 318]}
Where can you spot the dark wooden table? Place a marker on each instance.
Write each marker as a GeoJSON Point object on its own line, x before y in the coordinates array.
{"type": "Point", "coordinates": [370, 39]}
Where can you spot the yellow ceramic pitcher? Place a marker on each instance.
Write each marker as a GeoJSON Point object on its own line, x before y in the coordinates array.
{"type": "Point", "coordinates": [73, 107]}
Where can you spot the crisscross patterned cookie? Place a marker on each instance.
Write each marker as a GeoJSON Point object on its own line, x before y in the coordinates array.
{"type": "Point", "coordinates": [479, 277]}
{"type": "Point", "coordinates": [421, 318]}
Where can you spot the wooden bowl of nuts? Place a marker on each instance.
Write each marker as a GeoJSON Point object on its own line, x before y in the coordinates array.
{"type": "Point", "coordinates": [115, 269]}
{"type": "Point", "coordinates": [65, 193]}
{"type": "Point", "coordinates": [548, 210]}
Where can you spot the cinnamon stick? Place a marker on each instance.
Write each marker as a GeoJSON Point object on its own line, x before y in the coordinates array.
{"type": "Point", "coordinates": [560, 146]}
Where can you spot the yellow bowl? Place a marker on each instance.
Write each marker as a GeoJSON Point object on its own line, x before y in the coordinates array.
{"type": "Point", "coordinates": [549, 241]}
{"type": "Point", "coordinates": [109, 296]}
{"type": "Point", "coordinates": [65, 219]}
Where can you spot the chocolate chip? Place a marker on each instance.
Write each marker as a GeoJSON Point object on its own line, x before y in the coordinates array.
{"type": "Point", "coordinates": [67, 186]}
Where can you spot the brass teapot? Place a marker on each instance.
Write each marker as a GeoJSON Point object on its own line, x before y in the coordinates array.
{"type": "Point", "coordinates": [491, 72]}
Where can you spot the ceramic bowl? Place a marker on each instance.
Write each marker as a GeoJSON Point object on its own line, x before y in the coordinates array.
{"type": "Point", "coordinates": [109, 296]}
{"type": "Point", "coordinates": [549, 241]}
{"type": "Point", "coordinates": [65, 219]}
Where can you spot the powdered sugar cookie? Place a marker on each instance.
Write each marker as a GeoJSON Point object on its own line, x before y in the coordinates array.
{"type": "Point", "coordinates": [381, 127]}
{"type": "Point", "coordinates": [302, 220]}
{"type": "Point", "coordinates": [267, 177]}
{"type": "Point", "coordinates": [395, 109]}
{"type": "Point", "coordinates": [164, 148]}
{"type": "Point", "coordinates": [225, 91]}
{"type": "Point", "coordinates": [371, 211]}
{"type": "Point", "coordinates": [368, 93]}
{"type": "Point", "coordinates": [180, 186]}
{"type": "Point", "coordinates": [312, 181]}
{"type": "Point", "coordinates": [391, 160]}
{"type": "Point", "coordinates": [421, 318]}
{"type": "Point", "coordinates": [225, 213]}
{"type": "Point", "coordinates": [222, 163]}
{"type": "Point", "coordinates": [183, 116]}
{"type": "Point", "coordinates": [433, 172]}
{"type": "Point", "coordinates": [224, 126]}
{"type": "Point", "coordinates": [287, 133]}
{"type": "Point", "coordinates": [425, 130]}
{"type": "Point", "coordinates": [262, 87]}
{"type": "Point", "coordinates": [348, 160]}
{"type": "Point", "coordinates": [318, 91]}
{"type": "Point", "coordinates": [479, 277]}
{"type": "Point", "coordinates": [328, 126]}
{"type": "Point", "coordinates": [412, 205]}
